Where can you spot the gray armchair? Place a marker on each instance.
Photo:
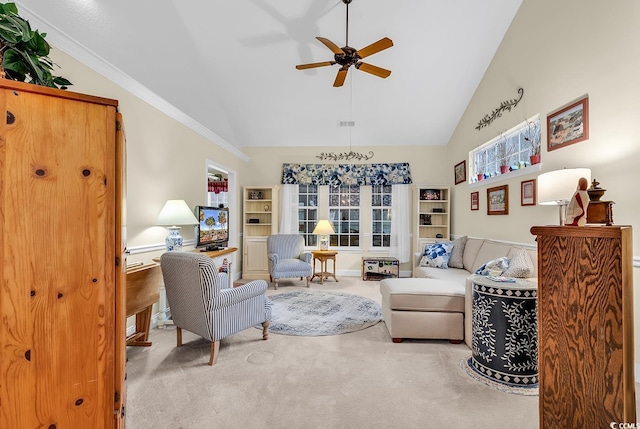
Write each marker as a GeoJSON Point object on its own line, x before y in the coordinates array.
{"type": "Point", "coordinates": [287, 258]}
{"type": "Point", "coordinates": [201, 301]}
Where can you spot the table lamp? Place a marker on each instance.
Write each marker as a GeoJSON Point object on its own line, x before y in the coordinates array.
{"type": "Point", "coordinates": [175, 212]}
{"type": "Point", "coordinates": [557, 187]}
{"type": "Point", "coordinates": [324, 229]}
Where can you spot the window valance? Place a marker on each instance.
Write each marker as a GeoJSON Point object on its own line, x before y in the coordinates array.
{"type": "Point", "coordinates": [346, 174]}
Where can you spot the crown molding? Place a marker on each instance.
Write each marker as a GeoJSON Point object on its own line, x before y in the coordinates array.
{"type": "Point", "coordinates": [65, 43]}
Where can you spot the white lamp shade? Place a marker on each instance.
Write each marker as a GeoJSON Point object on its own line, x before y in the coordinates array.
{"type": "Point", "coordinates": [557, 187]}
{"type": "Point", "coordinates": [176, 212]}
{"type": "Point", "coordinates": [324, 227]}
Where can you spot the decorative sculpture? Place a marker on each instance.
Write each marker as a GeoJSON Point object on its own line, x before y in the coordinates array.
{"type": "Point", "coordinates": [577, 209]}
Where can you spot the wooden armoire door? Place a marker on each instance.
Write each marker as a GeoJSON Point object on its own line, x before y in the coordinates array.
{"type": "Point", "coordinates": [60, 260]}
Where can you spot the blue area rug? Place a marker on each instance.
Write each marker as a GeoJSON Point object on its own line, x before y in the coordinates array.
{"type": "Point", "coordinates": [317, 313]}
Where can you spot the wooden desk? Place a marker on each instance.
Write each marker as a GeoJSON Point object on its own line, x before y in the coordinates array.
{"type": "Point", "coordinates": [143, 290]}
{"type": "Point", "coordinates": [323, 256]}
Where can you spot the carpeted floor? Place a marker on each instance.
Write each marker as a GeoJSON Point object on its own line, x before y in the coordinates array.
{"type": "Point", "coordinates": [350, 381]}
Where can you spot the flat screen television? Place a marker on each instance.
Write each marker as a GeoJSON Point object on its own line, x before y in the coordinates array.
{"type": "Point", "coordinates": [212, 231]}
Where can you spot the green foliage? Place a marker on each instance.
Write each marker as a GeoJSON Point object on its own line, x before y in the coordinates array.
{"type": "Point", "coordinates": [25, 51]}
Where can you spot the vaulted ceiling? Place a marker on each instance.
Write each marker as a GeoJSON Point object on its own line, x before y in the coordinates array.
{"type": "Point", "coordinates": [229, 66]}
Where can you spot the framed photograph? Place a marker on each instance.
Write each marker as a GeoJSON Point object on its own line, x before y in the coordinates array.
{"type": "Point", "coordinates": [528, 192]}
{"type": "Point", "coordinates": [475, 201]}
{"type": "Point", "coordinates": [568, 125]}
{"type": "Point", "coordinates": [498, 200]}
{"type": "Point", "coordinates": [460, 172]}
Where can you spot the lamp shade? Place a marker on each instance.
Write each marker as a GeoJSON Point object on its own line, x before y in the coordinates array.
{"type": "Point", "coordinates": [324, 227]}
{"type": "Point", "coordinates": [557, 187]}
{"type": "Point", "coordinates": [176, 212]}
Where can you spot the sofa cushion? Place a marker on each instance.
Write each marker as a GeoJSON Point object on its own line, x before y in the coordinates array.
{"type": "Point", "coordinates": [471, 249]}
{"type": "Point", "coordinates": [489, 251]}
{"type": "Point", "coordinates": [455, 260]}
{"type": "Point", "coordinates": [411, 294]}
{"type": "Point", "coordinates": [452, 274]}
{"type": "Point", "coordinates": [436, 255]}
{"type": "Point", "coordinates": [520, 265]}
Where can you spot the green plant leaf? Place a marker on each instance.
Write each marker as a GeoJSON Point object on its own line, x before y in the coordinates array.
{"type": "Point", "coordinates": [12, 60]}
{"type": "Point", "coordinates": [8, 8]}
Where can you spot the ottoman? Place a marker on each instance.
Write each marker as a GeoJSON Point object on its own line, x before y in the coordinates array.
{"type": "Point", "coordinates": [423, 308]}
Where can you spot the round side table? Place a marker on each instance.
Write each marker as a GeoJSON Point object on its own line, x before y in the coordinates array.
{"type": "Point", "coordinates": [505, 330]}
{"type": "Point", "coordinates": [323, 256]}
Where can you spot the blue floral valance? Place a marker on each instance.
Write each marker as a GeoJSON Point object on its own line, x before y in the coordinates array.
{"type": "Point", "coordinates": [346, 174]}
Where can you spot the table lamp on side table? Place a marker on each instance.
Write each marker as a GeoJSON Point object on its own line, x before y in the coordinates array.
{"type": "Point", "coordinates": [175, 212]}
{"type": "Point", "coordinates": [324, 229]}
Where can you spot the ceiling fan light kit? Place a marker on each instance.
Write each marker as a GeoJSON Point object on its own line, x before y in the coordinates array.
{"type": "Point", "coordinates": [348, 56]}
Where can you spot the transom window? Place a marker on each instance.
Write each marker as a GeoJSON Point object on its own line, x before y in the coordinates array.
{"type": "Point", "coordinates": [381, 215]}
{"type": "Point", "coordinates": [344, 213]}
{"type": "Point", "coordinates": [308, 213]}
{"type": "Point", "coordinates": [512, 149]}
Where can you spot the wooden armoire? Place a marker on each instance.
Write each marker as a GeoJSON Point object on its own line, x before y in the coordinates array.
{"type": "Point", "coordinates": [62, 291]}
{"type": "Point", "coordinates": [585, 326]}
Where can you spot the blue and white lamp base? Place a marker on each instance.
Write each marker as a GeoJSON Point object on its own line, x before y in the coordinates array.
{"type": "Point", "coordinates": [174, 239]}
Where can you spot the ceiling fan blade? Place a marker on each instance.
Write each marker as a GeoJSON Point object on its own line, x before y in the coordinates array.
{"type": "Point", "coordinates": [375, 47]}
{"type": "Point", "coordinates": [340, 77]}
{"type": "Point", "coordinates": [374, 70]}
{"type": "Point", "coordinates": [329, 44]}
{"type": "Point", "coordinates": [312, 65]}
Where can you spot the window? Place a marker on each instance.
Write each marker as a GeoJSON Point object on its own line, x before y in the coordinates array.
{"type": "Point", "coordinates": [512, 149]}
{"type": "Point", "coordinates": [381, 215]}
{"type": "Point", "coordinates": [344, 213]}
{"type": "Point", "coordinates": [308, 213]}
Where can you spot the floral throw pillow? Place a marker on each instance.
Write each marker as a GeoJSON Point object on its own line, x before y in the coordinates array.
{"type": "Point", "coordinates": [436, 255]}
{"type": "Point", "coordinates": [495, 267]}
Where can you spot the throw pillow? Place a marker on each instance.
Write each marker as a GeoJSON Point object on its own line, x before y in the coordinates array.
{"type": "Point", "coordinates": [455, 261]}
{"type": "Point", "coordinates": [520, 265]}
{"type": "Point", "coordinates": [495, 267]}
{"type": "Point", "coordinates": [436, 255]}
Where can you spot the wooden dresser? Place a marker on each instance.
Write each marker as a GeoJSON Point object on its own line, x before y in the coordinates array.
{"type": "Point", "coordinates": [585, 320]}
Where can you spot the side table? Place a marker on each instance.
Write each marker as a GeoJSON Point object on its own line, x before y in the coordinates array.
{"type": "Point", "coordinates": [505, 330]}
{"type": "Point", "coordinates": [323, 256]}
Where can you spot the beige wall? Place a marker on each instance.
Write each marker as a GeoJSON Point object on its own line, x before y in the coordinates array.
{"type": "Point", "coordinates": [558, 52]}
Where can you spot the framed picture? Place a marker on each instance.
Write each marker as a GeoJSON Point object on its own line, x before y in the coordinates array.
{"type": "Point", "coordinates": [475, 198]}
{"type": "Point", "coordinates": [498, 200]}
{"type": "Point", "coordinates": [568, 125]}
{"type": "Point", "coordinates": [528, 192]}
{"type": "Point", "coordinates": [460, 172]}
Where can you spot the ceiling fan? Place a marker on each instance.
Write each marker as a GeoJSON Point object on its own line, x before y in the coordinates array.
{"type": "Point", "coordinates": [348, 56]}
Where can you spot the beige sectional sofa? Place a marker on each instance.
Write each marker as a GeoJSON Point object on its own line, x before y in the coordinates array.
{"type": "Point", "coordinates": [450, 285]}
